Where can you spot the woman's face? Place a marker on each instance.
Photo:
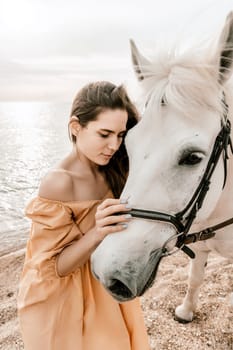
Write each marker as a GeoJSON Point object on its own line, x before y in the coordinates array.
{"type": "Point", "coordinates": [100, 139]}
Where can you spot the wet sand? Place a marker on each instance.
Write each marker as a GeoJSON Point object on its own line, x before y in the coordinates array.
{"type": "Point", "coordinates": [212, 327]}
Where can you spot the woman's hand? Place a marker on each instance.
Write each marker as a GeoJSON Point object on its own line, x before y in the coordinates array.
{"type": "Point", "coordinates": [76, 254]}
{"type": "Point", "coordinates": [106, 221]}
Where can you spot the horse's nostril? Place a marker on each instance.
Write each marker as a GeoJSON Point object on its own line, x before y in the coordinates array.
{"type": "Point", "coordinates": [120, 289]}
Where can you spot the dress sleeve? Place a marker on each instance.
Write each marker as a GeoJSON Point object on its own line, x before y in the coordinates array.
{"type": "Point", "coordinates": [53, 228]}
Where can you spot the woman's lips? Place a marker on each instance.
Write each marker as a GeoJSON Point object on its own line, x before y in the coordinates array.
{"type": "Point", "coordinates": [108, 155]}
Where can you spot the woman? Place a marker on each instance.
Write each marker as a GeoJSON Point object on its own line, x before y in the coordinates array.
{"type": "Point", "coordinates": [61, 306]}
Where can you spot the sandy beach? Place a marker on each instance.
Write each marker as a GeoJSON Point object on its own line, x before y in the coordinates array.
{"type": "Point", "coordinates": [212, 327]}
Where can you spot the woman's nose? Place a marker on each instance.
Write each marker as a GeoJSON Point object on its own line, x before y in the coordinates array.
{"type": "Point", "coordinates": [114, 144]}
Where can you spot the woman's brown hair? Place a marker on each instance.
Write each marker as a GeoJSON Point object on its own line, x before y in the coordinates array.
{"type": "Point", "coordinates": [90, 101]}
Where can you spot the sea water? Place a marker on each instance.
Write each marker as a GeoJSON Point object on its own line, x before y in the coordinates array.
{"type": "Point", "coordinates": [33, 137]}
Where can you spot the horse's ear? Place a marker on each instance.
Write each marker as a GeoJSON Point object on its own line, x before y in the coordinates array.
{"type": "Point", "coordinates": [226, 50]}
{"type": "Point", "coordinates": [140, 63]}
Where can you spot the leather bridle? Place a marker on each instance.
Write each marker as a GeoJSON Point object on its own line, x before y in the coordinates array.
{"type": "Point", "coordinates": [183, 220]}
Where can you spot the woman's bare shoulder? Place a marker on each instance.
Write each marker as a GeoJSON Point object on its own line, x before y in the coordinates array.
{"type": "Point", "coordinates": [57, 184]}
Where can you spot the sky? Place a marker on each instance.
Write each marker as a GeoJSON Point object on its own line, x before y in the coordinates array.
{"type": "Point", "coordinates": [50, 48]}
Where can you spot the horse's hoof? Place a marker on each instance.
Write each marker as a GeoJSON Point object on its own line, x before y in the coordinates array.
{"type": "Point", "coordinates": [182, 315]}
{"type": "Point", "coordinates": [181, 320]}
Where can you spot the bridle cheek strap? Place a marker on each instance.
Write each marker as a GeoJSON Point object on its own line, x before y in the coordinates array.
{"type": "Point", "coordinates": [188, 214]}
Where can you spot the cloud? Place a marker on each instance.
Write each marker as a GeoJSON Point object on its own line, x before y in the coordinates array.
{"type": "Point", "coordinates": [52, 47]}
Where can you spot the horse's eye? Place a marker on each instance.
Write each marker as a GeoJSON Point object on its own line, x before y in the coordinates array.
{"type": "Point", "coordinates": [191, 158]}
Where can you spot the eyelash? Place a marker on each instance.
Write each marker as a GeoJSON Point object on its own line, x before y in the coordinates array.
{"type": "Point", "coordinates": [105, 136]}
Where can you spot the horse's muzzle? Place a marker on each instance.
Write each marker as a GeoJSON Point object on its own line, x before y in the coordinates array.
{"type": "Point", "coordinates": [123, 288]}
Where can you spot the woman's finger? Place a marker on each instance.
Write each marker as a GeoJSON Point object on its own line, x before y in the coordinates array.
{"type": "Point", "coordinates": [110, 210]}
{"type": "Point", "coordinates": [108, 202]}
{"type": "Point", "coordinates": [113, 220]}
{"type": "Point", "coordinates": [104, 231]}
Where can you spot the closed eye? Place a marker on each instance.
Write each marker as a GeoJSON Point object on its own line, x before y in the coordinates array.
{"type": "Point", "coordinates": [103, 135]}
{"type": "Point", "coordinates": [191, 158]}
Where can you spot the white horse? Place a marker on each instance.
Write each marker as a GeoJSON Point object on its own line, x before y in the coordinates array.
{"type": "Point", "coordinates": [188, 106]}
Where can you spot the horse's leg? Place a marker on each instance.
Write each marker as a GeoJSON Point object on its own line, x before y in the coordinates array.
{"type": "Point", "coordinates": [184, 312]}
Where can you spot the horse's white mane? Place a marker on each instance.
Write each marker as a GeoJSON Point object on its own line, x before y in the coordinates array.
{"type": "Point", "coordinates": [186, 80]}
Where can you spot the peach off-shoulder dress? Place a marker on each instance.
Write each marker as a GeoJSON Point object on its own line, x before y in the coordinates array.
{"type": "Point", "coordinates": [72, 312]}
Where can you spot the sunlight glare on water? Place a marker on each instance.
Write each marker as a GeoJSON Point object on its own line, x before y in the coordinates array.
{"type": "Point", "coordinates": [33, 137]}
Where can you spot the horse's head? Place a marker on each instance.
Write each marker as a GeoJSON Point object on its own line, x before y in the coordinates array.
{"type": "Point", "coordinates": [169, 150]}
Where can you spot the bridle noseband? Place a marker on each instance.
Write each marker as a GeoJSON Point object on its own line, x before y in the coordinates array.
{"type": "Point", "coordinates": [184, 219]}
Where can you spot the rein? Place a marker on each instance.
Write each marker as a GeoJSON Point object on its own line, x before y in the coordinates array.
{"type": "Point", "coordinates": [184, 219]}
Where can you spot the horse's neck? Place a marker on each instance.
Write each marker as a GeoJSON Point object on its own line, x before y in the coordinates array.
{"type": "Point", "coordinates": [224, 207]}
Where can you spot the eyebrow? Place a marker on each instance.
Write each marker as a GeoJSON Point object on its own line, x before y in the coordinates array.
{"type": "Point", "coordinates": [111, 131]}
